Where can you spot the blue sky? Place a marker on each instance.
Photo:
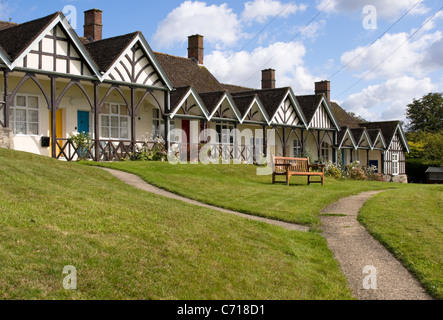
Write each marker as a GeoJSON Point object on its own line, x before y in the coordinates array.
{"type": "Point", "coordinates": [304, 40]}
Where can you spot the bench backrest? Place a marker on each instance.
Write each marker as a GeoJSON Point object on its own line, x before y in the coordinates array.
{"type": "Point", "coordinates": [296, 164]}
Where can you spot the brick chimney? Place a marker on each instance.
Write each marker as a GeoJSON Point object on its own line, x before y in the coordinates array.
{"type": "Point", "coordinates": [196, 49]}
{"type": "Point", "coordinates": [93, 24]}
{"type": "Point", "coordinates": [323, 87]}
{"type": "Point", "coordinates": [268, 79]}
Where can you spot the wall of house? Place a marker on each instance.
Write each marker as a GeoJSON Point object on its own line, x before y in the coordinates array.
{"type": "Point", "coordinates": [32, 143]}
{"type": "Point", "coordinates": [73, 101]}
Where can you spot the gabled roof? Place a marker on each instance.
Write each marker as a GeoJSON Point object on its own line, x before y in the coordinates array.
{"type": "Point", "coordinates": [16, 39]}
{"type": "Point", "coordinates": [212, 100]}
{"type": "Point", "coordinates": [245, 104]}
{"type": "Point", "coordinates": [310, 105]}
{"type": "Point", "coordinates": [346, 132]}
{"type": "Point", "coordinates": [273, 99]}
{"type": "Point", "coordinates": [185, 72]}
{"type": "Point", "coordinates": [359, 135]}
{"type": "Point", "coordinates": [376, 135]}
{"type": "Point", "coordinates": [106, 52]}
{"type": "Point", "coordinates": [179, 97]}
{"type": "Point", "coordinates": [389, 129]}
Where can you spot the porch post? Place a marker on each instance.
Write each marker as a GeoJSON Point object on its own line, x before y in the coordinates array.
{"type": "Point", "coordinates": [167, 132]}
{"type": "Point", "coordinates": [284, 142]}
{"type": "Point", "coordinates": [265, 142]}
{"type": "Point", "coordinates": [335, 150]}
{"type": "Point", "coordinates": [302, 142]}
{"type": "Point", "coordinates": [96, 123]}
{"type": "Point", "coordinates": [319, 145]}
{"type": "Point", "coordinates": [133, 117]}
{"type": "Point", "coordinates": [53, 125]}
{"type": "Point", "coordinates": [6, 106]}
{"type": "Point", "coordinates": [235, 153]}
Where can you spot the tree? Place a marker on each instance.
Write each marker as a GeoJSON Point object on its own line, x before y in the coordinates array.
{"type": "Point", "coordinates": [426, 114]}
{"type": "Point", "coordinates": [357, 118]}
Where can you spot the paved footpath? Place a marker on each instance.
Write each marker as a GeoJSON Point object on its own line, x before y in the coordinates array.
{"type": "Point", "coordinates": [356, 249]}
{"type": "Point", "coordinates": [139, 183]}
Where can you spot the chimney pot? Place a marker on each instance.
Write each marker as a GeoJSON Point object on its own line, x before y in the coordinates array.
{"type": "Point", "coordinates": [195, 48]}
{"type": "Point", "coordinates": [93, 24]}
{"type": "Point", "coordinates": [268, 79]}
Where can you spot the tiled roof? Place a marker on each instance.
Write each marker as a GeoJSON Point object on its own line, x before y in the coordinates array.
{"type": "Point", "coordinates": [235, 89]}
{"type": "Point", "coordinates": [185, 72]}
{"type": "Point", "coordinates": [343, 118]}
{"type": "Point", "coordinates": [177, 96]}
{"type": "Point", "coordinates": [212, 99]}
{"type": "Point", "coordinates": [270, 98]}
{"type": "Point", "coordinates": [6, 25]}
{"type": "Point", "coordinates": [16, 39]}
{"type": "Point", "coordinates": [105, 52]}
{"type": "Point", "coordinates": [388, 128]}
{"type": "Point", "coordinates": [309, 105]}
{"type": "Point", "coordinates": [243, 103]}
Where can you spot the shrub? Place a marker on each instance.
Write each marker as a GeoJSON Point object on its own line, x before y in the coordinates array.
{"type": "Point", "coordinates": [357, 174]}
{"type": "Point", "coordinates": [82, 142]}
{"type": "Point", "coordinates": [155, 153]}
{"type": "Point", "coordinates": [333, 170]}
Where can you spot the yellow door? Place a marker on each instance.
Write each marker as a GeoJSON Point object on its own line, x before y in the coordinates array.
{"type": "Point", "coordinates": [58, 127]}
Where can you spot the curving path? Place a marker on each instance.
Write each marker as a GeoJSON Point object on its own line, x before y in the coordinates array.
{"type": "Point", "coordinates": [139, 183]}
{"type": "Point", "coordinates": [352, 245]}
{"type": "Point", "coordinates": [356, 249]}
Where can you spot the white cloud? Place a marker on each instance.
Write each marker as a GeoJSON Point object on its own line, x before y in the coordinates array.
{"type": "Point", "coordinates": [385, 9]}
{"type": "Point", "coordinates": [220, 26]}
{"type": "Point", "coordinates": [414, 57]}
{"type": "Point", "coordinates": [312, 30]}
{"type": "Point", "coordinates": [244, 68]}
{"type": "Point", "coordinates": [388, 100]}
{"type": "Point", "coordinates": [261, 10]}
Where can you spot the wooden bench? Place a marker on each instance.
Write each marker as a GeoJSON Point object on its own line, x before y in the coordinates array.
{"type": "Point", "coordinates": [288, 167]}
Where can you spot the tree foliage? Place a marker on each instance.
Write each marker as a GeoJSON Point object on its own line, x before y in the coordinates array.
{"type": "Point", "coordinates": [426, 114]}
{"type": "Point", "coordinates": [426, 145]}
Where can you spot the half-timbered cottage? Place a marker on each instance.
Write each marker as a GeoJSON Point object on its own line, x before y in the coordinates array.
{"type": "Point", "coordinates": [55, 83]}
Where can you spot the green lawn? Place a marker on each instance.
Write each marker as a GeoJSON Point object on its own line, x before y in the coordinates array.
{"type": "Point", "coordinates": [409, 222]}
{"type": "Point", "coordinates": [408, 219]}
{"type": "Point", "coordinates": [238, 187]}
{"type": "Point", "coordinates": [128, 244]}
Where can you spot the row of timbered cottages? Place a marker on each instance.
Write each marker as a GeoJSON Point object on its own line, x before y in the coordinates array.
{"type": "Point", "coordinates": [54, 83]}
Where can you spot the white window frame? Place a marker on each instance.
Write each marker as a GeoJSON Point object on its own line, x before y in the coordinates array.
{"type": "Point", "coordinates": [297, 148]}
{"type": "Point", "coordinates": [109, 126]}
{"type": "Point", "coordinates": [13, 115]}
{"type": "Point", "coordinates": [395, 164]}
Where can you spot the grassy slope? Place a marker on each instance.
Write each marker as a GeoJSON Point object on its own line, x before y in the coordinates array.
{"type": "Point", "coordinates": [128, 244]}
{"type": "Point", "coordinates": [407, 219]}
{"type": "Point", "coordinates": [238, 187]}
{"type": "Point", "coordinates": [409, 222]}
